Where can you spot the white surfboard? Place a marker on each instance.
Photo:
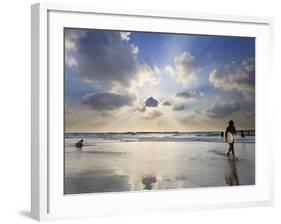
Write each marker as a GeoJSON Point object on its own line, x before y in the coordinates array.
{"type": "Point", "coordinates": [229, 138]}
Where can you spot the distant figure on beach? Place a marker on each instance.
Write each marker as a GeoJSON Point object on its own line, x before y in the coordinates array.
{"type": "Point", "coordinates": [80, 144]}
{"type": "Point", "coordinates": [242, 134]}
{"type": "Point", "coordinates": [232, 130]}
{"type": "Point", "coordinates": [222, 134]}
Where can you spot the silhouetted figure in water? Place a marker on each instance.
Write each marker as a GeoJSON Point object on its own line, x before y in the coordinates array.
{"type": "Point", "coordinates": [242, 134]}
{"type": "Point", "coordinates": [222, 134]}
{"type": "Point", "coordinates": [232, 130]}
{"type": "Point", "coordinates": [79, 144]}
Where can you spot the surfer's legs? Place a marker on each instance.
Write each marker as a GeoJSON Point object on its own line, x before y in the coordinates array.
{"type": "Point", "coordinates": [228, 153]}
{"type": "Point", "coordinates": [232, 149]}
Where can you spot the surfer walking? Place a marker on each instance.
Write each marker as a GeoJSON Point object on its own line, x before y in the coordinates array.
{"type": "Point", "coordinates": [229, 137]}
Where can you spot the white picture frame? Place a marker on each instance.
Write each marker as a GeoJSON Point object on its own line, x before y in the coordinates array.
{"type": "Point", "coordinates": [47, 199]}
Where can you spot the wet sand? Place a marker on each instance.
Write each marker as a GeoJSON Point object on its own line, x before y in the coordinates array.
{"type": "Point", "coordinates": [136, 166]}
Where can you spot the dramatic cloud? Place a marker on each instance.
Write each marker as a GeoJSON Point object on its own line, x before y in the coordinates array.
{"type": "Point", "coordinates": [179, 107]}
{"type": "Point", "coordinates": [188, 94]}
{"type": "Point", "coordinates": [166, 103]}
{"type": "Point", "coordinates": [148, 74]}
{"type": "Point", "coordinates": [153, 114]}
{"type": "Point", "coordinates": [107, 101]}
{"type": "Point", "coordinates": [221, 110]}
{"type": "Point", "coordinates": [130, 81]}
{"type": "Point", "coordinates": [102, 56]}
{"type": "Point", "coordinates": [105, 114]}
{"type": "Point", "coordinates": [71, 36]}
{"type": "Point", "coordinates": [125, 35]}
{"type": "Point", "coordinates": [107, 58]}
{"type": "Point", "coordinates": [236, 76]}
{"type": "Point", "coordinates": [134, 49]}
{"type": "Point", "coordinates": [151, 102]}
{"type": "Point", "coordinates": [140, 109]}
{"type": "Point", "coordinates": [184, 69]}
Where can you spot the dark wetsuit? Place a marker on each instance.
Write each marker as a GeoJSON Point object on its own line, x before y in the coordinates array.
{"type": "Point", "coordinates": [79, 144]}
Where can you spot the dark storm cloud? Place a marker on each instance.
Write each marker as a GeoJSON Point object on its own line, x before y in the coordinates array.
{"type": "Point", "coordinates": [221, 110]}
{"type": "Point", "coordinates": [186, 94]}
{"type": "Point", "coordinates": [107, 101]}
{"type": "Point", "coordinates": [179, 107]}
{"type": "Point", "coordinates": [166, 103]}
{"type": "Point", "coordinates": [103, 56]}
{"type": "Point", "coordinates": [151, 102]}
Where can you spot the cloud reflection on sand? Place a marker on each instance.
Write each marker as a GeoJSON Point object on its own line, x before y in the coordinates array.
{"type": "Point", "coordinates": [148, 181]}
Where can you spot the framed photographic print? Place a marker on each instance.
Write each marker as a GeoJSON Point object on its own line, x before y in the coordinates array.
{"type": "Point", "coordinates": [145, 111]}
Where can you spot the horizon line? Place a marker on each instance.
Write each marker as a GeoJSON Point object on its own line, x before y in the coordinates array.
{"type": "Point", "coordinates": [152, 131]}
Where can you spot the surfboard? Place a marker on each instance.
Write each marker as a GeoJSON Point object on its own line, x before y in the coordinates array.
{"type": "Point", "coordinates": [229, 138]}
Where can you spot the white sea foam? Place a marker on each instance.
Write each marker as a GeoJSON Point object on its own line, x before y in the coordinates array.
{"type": "Point", "coordinates": [93, 138]}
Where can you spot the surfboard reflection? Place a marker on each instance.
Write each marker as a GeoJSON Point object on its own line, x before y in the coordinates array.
{"type": "Point", "coordinates": [231, 176]}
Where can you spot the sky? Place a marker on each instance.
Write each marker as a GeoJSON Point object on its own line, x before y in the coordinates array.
{"type": "Point", "coordinates": [121, 81]}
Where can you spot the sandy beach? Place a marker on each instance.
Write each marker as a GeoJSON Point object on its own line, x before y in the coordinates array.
{"type": "Point", "coordinates": [135, 166]}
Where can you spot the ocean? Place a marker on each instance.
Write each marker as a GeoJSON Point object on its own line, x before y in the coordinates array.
{"type": "Point", "coordinates": [92, 138]}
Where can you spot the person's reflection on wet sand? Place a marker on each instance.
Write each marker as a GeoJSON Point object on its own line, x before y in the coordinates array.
{"type": "Point", "coordinates": [231, 176]}
{"type": "Point", "coordinates": [148, 182]}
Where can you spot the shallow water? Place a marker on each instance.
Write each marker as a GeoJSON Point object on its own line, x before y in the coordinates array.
{"type": "Point", "coordinates": [114, 166]}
